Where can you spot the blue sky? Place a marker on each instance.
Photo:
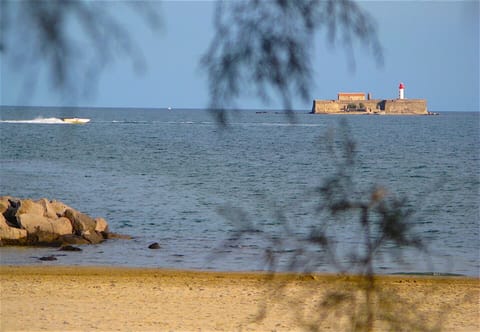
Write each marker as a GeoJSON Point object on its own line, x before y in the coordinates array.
{"type": "Point", "coordinates": [432, 47]}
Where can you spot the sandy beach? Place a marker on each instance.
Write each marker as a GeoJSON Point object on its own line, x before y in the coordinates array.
{"type": "Point", "coordinates": [122, 299]}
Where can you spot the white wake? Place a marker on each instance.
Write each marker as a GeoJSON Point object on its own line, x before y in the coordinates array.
{"type": "Point", "coordinates": [38, 120]}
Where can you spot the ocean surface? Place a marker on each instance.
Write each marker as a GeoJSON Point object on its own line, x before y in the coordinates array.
{"type": "Point", "coordinates": [178, 178]}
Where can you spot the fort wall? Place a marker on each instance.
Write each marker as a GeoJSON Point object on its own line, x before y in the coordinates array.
{"type": "Point", "coordinates": [372, 106]}
{"type": "Point", "coordinates": [406, 106]}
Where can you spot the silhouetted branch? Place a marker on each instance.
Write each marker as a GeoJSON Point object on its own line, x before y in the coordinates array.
{"type": "Point", "coordinates": [383, 224]}
{"type": "Point", "coordinates": [266, 47]}
{"type": "Point", "coordinates": [75, 39]}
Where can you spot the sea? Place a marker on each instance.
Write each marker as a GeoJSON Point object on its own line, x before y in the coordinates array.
{"type": "Point", "coordinates": [245, 196]}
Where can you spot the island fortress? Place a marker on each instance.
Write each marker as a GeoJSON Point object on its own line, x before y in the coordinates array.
{"type": "Point", "coordinates": [357, 103]}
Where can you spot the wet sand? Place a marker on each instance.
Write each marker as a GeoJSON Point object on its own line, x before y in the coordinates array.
{"type": "Point", "coordinates": [121, 299]}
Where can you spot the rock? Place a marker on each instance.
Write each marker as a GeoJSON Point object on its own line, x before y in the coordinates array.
{"type": "Point", "coordinates": [72, 239]}
{"type": "Point", "coordinates": [45, 229]}
{"type": "Point", "coordinates": [30, 207]}
{"type": "Point", "coordinates": [59, 208]}
{"type": "Point", "coordinates": [62, 226]}
{"type": "Point", "coordinates": [11, 211]}
{"type": "Point", "coordinates": [34, 223]}
{"type": "Point", "coordinates": [69, 248]}
{"type": "Point", "coordinates": [48, 210]}
{"type": "Point", "coordinates": [93, 237]}
{"type": "Point", "coordinates": [116, 236]}
{"type": "Point", "coordinates": [154, 245]}
{"type": "Point", "coordinates": [80, 221]}
{"type": "Point", "coordinates": [9, 234]}
{"type": "Point", "coordinates": [48, 258]}
{"type": "Point", "coordinates": [101, 225]}
{"type": "Point", "coordinates": [52, 223]}
{"type": "Point", "coordinates": [4, 203]}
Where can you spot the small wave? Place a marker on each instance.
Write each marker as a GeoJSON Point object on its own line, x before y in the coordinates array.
{"type": "Point", "coordinates": [39, 120]}
{"type": "Point", "coordinates": [277, 124]}
{"type": "Point", "coordinates": [128, 122]}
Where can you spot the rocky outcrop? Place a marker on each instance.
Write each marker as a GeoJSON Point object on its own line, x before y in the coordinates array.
{"type": "Point", "coordinates": [45, 222]}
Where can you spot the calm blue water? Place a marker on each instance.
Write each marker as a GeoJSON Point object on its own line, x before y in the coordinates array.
{"type": "Point", "coordinates": [177, 178]}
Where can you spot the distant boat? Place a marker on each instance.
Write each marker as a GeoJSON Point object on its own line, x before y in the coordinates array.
{"type": "Point", "coordinates": [75, 120]}
{"type": "Point", "coordinates": [169, 108]}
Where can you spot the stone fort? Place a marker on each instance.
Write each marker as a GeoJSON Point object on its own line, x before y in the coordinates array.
{"type": "Point", "coordinates": [359, 103]}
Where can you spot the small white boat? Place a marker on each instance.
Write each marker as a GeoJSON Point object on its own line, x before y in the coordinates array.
{"type": "Point", "coordinates": [76, 120]}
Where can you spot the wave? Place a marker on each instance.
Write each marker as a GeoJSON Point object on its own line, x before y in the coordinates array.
{"type": "Point", "coordinates": [159, 122]}
{"type": "Point", "coordinates": [277, 124]}
{"type": "Point", "coordinates": [38, 120]}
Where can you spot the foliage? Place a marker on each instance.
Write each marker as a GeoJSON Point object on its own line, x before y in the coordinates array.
{"type": "Point", "coordinates": [75, 39]}
{"type": "Point", "coordinates": [352, 106]}
{"type": "Point", "coordinates": [384, 224]}
{"type": "Point", "coordinates": [260, 47]}
{"type": "Point", "coordinates": [266, 47]}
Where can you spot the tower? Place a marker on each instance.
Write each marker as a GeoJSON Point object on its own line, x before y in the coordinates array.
{"type": "Point", "coordinates": [401, 94]}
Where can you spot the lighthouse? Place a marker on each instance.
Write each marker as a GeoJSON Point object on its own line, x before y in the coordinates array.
{"type": "Point", "coordinates": [401, 89]}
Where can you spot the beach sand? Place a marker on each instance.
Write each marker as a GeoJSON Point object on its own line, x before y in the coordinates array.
{"type": "Point", "coordinates": [56, 298]}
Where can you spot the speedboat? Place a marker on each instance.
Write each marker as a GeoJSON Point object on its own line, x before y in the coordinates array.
{"type": "Point", "coordinates": [75, 120]}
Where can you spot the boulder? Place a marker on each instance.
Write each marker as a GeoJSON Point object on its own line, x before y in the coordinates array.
{"type": "Point", "coordinates": [12, 205]}
{"type": "Point", "coordinates": [35, 223]}
{"type": "Point", "coordinates": [9, 234]}
{"type": "Point", "coordinates": [72, 239]}
{"type": "Point", "coordinates": [80, 221]}
{"type": "Point", "coordinates": [62, 226]}
{"type": "Point", "coordinates": [59, 208]}
{"type": "Point", "coordinates": [68, 247]}
{"type": "Point", "coordinates": [30, 207]}
{"type": "Point", "coordinates": [48, 210]}
{"type": "Point", "coordinates": [93, 237]}
{"type": "Point", "coordinates": [4, 203]}
{"type": "Point", "coordinates": [101, 225]}
{"type": "Point", "coordinates": [43, 230]}
{"type": "Point", "coordinates": [51, 223]}
{"type": "Point", "coordinates": [111, 235]}
{"type": "Point", "coordinates": [154, 245]}
{"type": "Point", "coordinates": [48, 258]}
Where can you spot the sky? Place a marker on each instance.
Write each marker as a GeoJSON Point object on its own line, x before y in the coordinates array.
{"type": "Point", "coordinates": [432, 47]}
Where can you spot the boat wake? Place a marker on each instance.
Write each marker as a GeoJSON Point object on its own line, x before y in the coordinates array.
{"type": "Point", "coordinates": [41, 120]}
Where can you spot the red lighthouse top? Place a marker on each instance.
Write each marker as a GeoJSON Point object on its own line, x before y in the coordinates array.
{"type": "Point", "coordinates": [401, 86]}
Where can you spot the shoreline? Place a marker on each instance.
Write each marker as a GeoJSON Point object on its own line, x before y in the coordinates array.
{"type": "Point", "coordinates": [47, 269]}
{"type": "Point", "coordinates": [146, 299]}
